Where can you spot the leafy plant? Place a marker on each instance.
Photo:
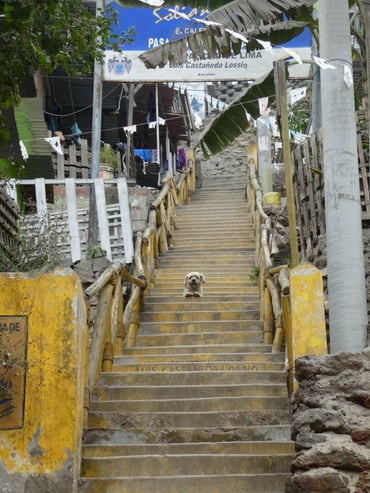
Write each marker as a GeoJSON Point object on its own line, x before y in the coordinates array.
{"type": "Point", "coordinates": [254, 275]}
{"type": "Point", "coordinates": [108, 156]}
{"type": "Point", "coordinates": [47, 35]}
{"type": "Point", "coordinates": [95, 251]}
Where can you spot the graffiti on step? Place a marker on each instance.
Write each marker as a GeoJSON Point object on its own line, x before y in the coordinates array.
{"type": "Point", "coordinates": [13, 351]}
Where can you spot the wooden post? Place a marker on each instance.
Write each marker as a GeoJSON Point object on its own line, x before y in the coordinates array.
{"type": "Point", "coordinates": [102, 326]}
{"type": "Point", "coordinates": [268, 319]}
{"type": "Point", "coordinates": [282, 113]}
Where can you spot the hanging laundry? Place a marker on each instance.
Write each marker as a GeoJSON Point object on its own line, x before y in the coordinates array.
{"type": "Point", "coordinates": [181, 159]}
{"type": "Point", "coordinates": [76, 132]}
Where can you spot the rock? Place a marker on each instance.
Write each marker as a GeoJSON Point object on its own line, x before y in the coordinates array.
{"type": "Point", "coordinates": [361, 436]}
{"type": "Point", "coordinates": [85, 271]}
{"type": "Point", "coordinates": [99, 265]}
{"type": "Point", "coordinates": [325, 480]}
{"type": "Point", "coordinates": [331, 417]}
{"type": "Point", "coordinates": [338, 452]}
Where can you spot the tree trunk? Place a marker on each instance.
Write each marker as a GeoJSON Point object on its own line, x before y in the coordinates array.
{"type": "Point", "coordinates": [346, 273]}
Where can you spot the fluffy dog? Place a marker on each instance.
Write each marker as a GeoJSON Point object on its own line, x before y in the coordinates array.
{"type": "Point", "coordinates": [193, 284]}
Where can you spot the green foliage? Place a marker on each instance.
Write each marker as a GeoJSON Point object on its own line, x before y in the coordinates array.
{"type": "Point", "coordinates": [254, 275]}
{"type": "Point", "coordinates": [46, 35]}
{"type": "Point", "coordinates": [95, 251]}
{"type": "Point", "coordinates": [299, 115]}
{"type": "Point", "coordinates": [108, 156]}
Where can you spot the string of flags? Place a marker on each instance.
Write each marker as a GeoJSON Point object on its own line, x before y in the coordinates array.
{"type": "Point", "coordinates": [293, 96]}
{"type": "Point", "coordinates": [56, 145]}
{"type": "Point", "coordinates": [348, 79]}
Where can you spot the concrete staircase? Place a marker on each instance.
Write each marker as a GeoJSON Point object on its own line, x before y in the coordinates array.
{"type": "Point", "coordinates": [200, 405]}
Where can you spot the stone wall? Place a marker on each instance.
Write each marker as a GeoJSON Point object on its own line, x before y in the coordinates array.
{"type": "Point", "coordinates": [331, 424]}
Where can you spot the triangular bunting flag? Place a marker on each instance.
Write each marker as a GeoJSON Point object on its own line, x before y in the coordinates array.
{"type": "Point", "coordinates": [294, 55]}
{"type": "Point", "coordinates": [265, 44]}
{"type": "Point", "coordinates": [23, 150]}
{"type": "Point", "coordinates": [297, 94]}
{"type": "Point", "coordinates": [55, 144]}
{"type": "Point", "coordinates": [322, 63]}
{"type": "Point", "coordinates": [130, 129]}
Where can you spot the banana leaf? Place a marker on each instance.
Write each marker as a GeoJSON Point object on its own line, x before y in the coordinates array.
{"type": "Point", "coordinates": [233, 121]}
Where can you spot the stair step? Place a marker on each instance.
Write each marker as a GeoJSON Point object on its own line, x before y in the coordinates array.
{"type": "Point", "coordinates": [198, 338]}
{"type": "Point", "coordinates": [200, 405]}
{"type": "Point", "coordinates": [156, 421]}
{"type": "Point", "coordinates": [177, 289]}
{"type": "Point", "coordinates": [188, 351]}
{"type": "Point", "coordinates": [238, 483]}
{"type": "Point", "coordinates": [252, 447]}
{"type": "Point", "coordinates": [199, 357]}
{"type": "Point", "coordinates": [188, 304]}
{"type": "Point", "coordinates": [184, 464]}
{"type": "Point", "coordinates": [203, 325]}
{"type": "Point", "coordinates": [206, 298]}
{"type": "Point", "coordinates": [193, 378]}
{"type": "Point", "coordinates": [125, 433]}
{"type": "Point", "coordinates": [210, 366]}
{"type": "Point", "coordinates": [186, 391]}
{"type": "Point", "coordinates": [200, 315]}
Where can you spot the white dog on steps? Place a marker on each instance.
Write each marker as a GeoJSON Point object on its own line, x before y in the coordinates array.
{"type": "Point", "coordinates": [193, 284]}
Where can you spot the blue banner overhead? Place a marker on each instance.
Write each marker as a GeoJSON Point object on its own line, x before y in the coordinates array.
{"type": "Point", "coordinates": [156, 26]}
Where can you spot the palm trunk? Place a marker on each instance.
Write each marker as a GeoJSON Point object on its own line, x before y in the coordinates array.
{"type": "Point", "coordinates": [346, 272]}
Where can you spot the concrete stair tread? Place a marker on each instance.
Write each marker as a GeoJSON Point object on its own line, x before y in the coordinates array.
{"type": "Point", "coordinates": [141, 435]}
{"type": "Point", "coordinates": [200, 315]}
{"type": "Point", "coordinates": [192, 378]}
{"type": "Point", "coordinates": [197, 358]}
{"type": "Point", "coordinates": [197, 366]}
{"type": "Point", "coordinates": [154, 422]}
{"type": "Point", "coordinates": [189, 350]}
{"type": "Point", "coordinates": [209, 325]}
{"type": "Point", "coordinates": [185, 464]}
{"type": "Point", "coordinates": [198, 338]}
{"type": "Point", "coordinates": [187, 304]}
{"type": "Point", "coordinates": [120, 392]}
{"type": "Point", "coordinates": [255, 447]}
{"type": "Point", "coordinates": [241, 483]}
{"type": "Point", "coordinates": [192, 405]}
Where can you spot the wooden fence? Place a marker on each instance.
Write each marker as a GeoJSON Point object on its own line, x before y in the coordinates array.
{"type": "Point", "coordinates": [308, 185]}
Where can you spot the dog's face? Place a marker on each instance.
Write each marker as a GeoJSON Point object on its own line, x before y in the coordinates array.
{"type": "Point", "coordinates": [194, 280]}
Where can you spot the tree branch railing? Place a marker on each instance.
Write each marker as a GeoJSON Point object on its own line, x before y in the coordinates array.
{"type": "Point", "coordinates": [116, 324]}
{"type": "Point", "coordinates": [273, 280]}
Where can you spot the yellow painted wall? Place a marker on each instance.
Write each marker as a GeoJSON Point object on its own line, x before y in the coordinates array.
{"type": "Point", "coordinates": [54, 307]}
{"type": "Point", "coordinates": [307, 311]}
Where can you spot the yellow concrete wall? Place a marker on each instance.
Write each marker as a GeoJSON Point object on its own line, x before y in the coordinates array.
{"type": "Point", "coordinates": [307, 311]}
{"type": "Point", "coordinates": [49, 440]}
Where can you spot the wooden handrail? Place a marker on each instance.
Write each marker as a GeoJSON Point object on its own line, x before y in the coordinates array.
{"type": "Point", "coordinates": [274, 281]}
{"type": "Point", "coordinates": [115, 322]}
